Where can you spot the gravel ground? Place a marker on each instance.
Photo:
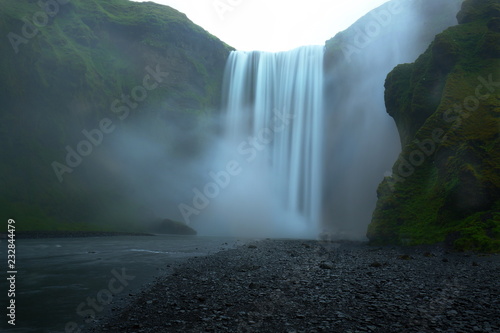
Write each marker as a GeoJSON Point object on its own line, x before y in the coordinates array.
{"type": "Point", "coordinates": [310, 286]}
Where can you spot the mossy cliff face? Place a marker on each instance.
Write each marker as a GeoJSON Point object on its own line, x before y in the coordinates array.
{"type": "Point", "coordinates": [92, 64]}
{"type": "Point", "coordinates": [445, 185]}
{"type": "Point", "coordinates": [361, 140]}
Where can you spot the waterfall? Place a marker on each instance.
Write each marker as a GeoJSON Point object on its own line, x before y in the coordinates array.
{"type": "Point", "coordinates": [274, 115]}
{"type": "Point", "coordinates": [276, 130]}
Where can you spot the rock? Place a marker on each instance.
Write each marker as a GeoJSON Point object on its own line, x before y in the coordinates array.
{"type": "Point", "coordinates": [253, 285]}
{"type": "Point", "coordinates": [326, 265]}
{"type": "Point", "coordinates": [464, 183]}
{"type": "Point", "coordinates": [477, 10]}
{"type": "Point", "coordinates": [167, 226]}
{"type": "Point", "coordinates": [300, 296]}
{"type": "Point", "coordinates": [405, 257]}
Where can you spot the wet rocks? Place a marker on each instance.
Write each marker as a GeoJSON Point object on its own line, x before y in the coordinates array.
{"type": "Point", "coordinates": [405, 257]}
{"type": "Point", "coordinates": [347, 288]}
{"type": "Point", "coordinates": [326, 265]}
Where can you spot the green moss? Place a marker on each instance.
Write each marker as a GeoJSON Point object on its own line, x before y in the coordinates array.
{"type": "Point", "coordinates": [450, 195]}
{"type": "Point", "coordinates": [479, 232]}
{"type": "Point", "coordinates": [66, 78]}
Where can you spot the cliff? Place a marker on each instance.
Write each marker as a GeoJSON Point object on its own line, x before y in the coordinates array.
{"type": "Point", "coordinates": [76, 73]}
{"type": "Point", "coordinates": [445, 186]}
{"type": "Point", "coordinates": [361, 140]}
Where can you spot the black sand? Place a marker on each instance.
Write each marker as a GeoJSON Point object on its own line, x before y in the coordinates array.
{"type": "Point", "coordinates": [310, 286]}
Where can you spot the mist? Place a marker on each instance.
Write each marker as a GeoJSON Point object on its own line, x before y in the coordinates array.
{"type": "Point", "coordinates": [362, 141]}
{"type": "Point", "coordinates": [247, 205]}
{"type": "Point", "coordinates": [193, 170]}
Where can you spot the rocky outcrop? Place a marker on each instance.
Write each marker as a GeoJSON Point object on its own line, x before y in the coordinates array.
{"type": "Point", "coordinates": [168, 226]}
{"type": "Point", "coordinates": [445, 185]}
{"type": "Point", "coordinates": [361, 141]}
{"type": "Point", "coordinates": [474, 10]}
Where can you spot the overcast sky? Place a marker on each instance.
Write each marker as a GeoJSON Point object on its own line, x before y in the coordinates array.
{"type": "Point", "coordinates": [273, 25]}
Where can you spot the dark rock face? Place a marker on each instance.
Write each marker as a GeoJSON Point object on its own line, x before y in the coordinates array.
{"type": "Point", "coordinates": [167, 226]}
{"type": "Point", "coordinates": [361, 143]}
{"type": "Point", "coordinates": [474, 10]}
{"type": "Point", "coordinates": [445, 184]}
{"type": "Point", "coordinates": [143, 66]}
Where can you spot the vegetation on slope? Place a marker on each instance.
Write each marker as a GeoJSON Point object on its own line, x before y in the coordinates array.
{"type": "Point", "coordinates": [69, 68]}
{"type": "Point", "coordinates": [360, 138]}
{"type": "Point", "coordinates": [445, 186]}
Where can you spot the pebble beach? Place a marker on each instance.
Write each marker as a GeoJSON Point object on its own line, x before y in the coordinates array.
{"type": "Point", "coordinates": [313, 286]}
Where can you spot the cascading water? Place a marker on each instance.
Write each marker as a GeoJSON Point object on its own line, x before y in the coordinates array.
{"type": "Point", "coordinates": [273, 123]}
{"type": "Point", "coordinates": [274, 118]}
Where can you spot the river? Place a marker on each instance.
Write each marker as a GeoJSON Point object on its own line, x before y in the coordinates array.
{"type": "Point", "coordinates": [61, 282]}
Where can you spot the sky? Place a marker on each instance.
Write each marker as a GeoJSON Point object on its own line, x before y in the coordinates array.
{"type": "Point", "coordinates": [273, 25]}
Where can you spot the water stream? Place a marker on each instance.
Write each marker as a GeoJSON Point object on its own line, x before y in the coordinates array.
{"type": "Point", "coordinates": [274, 118]}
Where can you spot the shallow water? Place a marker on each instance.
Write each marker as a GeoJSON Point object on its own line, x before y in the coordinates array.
{"type": "Point", "coordinates": [57, 279]}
